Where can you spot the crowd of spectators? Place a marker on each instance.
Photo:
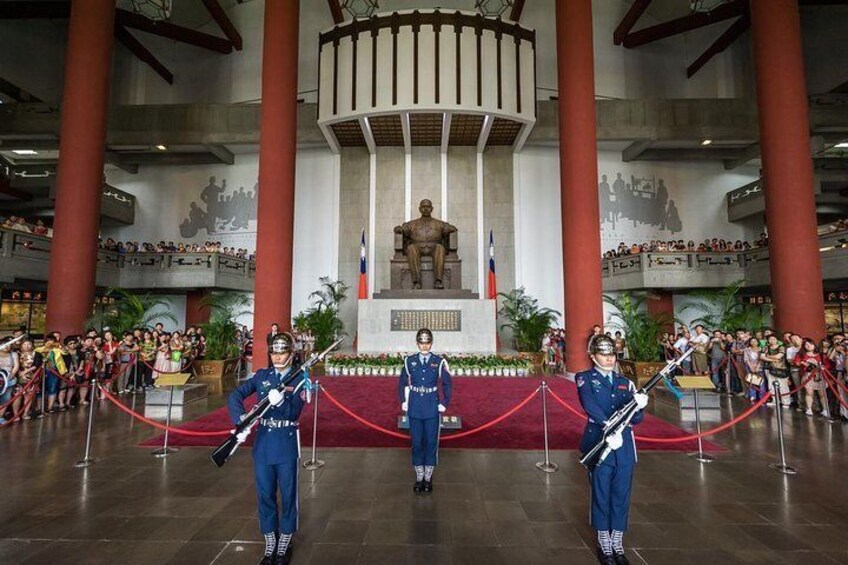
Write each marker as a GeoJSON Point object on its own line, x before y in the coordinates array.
{"type": "Point", "coordinates": [127, 364]}
{"type": "Point", "coordinates": [19, 223]}
{"type": "Point", "coordinates": [170, 247]}
{"type": "Point", "coordinates": [38, 227]}
{"type": "Point", "coordinates": [714, 245]}
{"type": "Point", "coordinates": [749, 363]}
{"type": "Point", "coordinates": [130, 363]}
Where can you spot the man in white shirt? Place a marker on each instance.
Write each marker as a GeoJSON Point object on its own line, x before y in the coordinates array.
{"type": "Point", "coordinates": [700, 341]}
{"type": "Point", "coordinates": [681, 346]}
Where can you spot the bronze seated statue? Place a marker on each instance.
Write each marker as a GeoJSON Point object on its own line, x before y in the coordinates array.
{"type": "Point", "coordinates": [425, 254]}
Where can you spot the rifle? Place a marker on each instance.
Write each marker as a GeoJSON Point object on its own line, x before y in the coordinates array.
{"type": "Point", "coordinates": [224, 451]}
{"type": "Point", "coordinates": [622, 417]}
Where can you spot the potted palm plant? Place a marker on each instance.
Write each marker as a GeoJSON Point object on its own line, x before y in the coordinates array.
{"type": "Point", "coordinates": [642, 331]}
{"type": "Point", "coordinates": [527, 320]}
{"type": "Point", "coordinates": [132, 311]}
{"type": "Point", "coordinates": [723, 309]}
{"type": "Point", "coordinates": [218, 367]}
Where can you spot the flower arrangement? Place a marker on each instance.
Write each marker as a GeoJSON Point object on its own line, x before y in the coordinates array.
{"type": "Point", "coordinates": [460, 365]}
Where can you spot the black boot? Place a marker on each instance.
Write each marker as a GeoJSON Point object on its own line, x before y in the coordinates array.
{"type": "Point", "coordinates": [620, 559]}
{"type": "Point", "coordinates": [418, 487]}
{"type": "Point", "coordinates": [285, 559]}
{"type": "Point", "coordinates": [269, 560]}
{"type": "Point", "coordinates": [605, 559]}
{"type": "Point", "coordinates": [428, 486]}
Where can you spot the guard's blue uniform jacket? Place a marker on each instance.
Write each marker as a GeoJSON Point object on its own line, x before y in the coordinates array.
{"type": "Point", "coordinates": [276, 447]}
{"type": "Point", "coordinates": [601, 396]}
{"type": "Point", "coordinates": [422, 374]}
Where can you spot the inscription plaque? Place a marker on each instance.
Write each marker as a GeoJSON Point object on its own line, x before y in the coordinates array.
{"type": "Point", "coordinates": [436, 320]}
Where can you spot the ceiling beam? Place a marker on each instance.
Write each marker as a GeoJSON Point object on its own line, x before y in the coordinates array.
{"type": "Point", "coordinates": [677, 26]}
{"type": "Point", "coordinates": [830, 163]}
{"type": "Point", "coordinates": [517, 8]}
{"type": "Point", "coordinates": [224, 22]}
{"type": "Point", "coordinates": [169, 158]}
{"type": "Point", "coordinates": [7, 189]}
{"type": "Point", "coordinates": [222, 153]}
{"type": "Point", "coordinates": [724, 41]}
{"type": "Point", "coordinates": [116, 159]}
{"type": "Point", "coordinates": [690, 154]}
{"type": "Point", "coordinates": [23, 143]}
{"type": "Point", "coordinates": [629, 20]}
{"type": "Point", "coordinates": [632, 151]}
{"type": "Point", "coordinates": [336, 11]}
{"type": "Point", "coordinates": [171, 31]}
{"type": "Point", "coordinates": [135, 47]}
{"type": "Point", "coordinates": [750, 152]}
{"type": "Point", "coordinates": [34, 10]}
{"type": "Point", "coordinates": [16, 93]}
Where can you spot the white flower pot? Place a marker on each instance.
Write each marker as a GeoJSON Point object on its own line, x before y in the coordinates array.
{"type": "Point", "coordinates": [511, 371]}
{"type": "Point", "coordinates": [459, 371]}
{"type": "Point", "coordinates": [360, 370]}
{"type": "Point", "coordinates": [345, 371]}
{"type": "Point", "coordinates": [498, 372]}
{"type": "Point", "coordinates": [382, 371]}
{"type": "Point", "coordinates": [475, 371]}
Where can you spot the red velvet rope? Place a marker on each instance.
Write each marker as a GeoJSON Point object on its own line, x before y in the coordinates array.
{"type": "Point", "coordinates": [649, 439]}
{"type": "Point", "coordinates": [156, 424]}
{"type": "Point", "coordinates": [459, 435]}
{"type": "Point", "coordinates": [831, 381]}
{"type": "Point", "coordinates": [154, 369]}
{"type": "Point", "coordinates": [35, 378]}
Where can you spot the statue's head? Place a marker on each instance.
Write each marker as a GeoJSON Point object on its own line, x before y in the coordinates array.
{"type": "Point", "coordinates": [426, 208]}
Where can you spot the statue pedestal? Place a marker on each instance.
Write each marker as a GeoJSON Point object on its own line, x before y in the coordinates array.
{"type": "Point", "coordinates": [388, 325]}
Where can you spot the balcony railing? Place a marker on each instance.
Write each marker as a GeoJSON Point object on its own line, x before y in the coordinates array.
{"type": "Point", "coordinates": [682, 270]}
{"type": "Point", "coordinates": [27, 256]}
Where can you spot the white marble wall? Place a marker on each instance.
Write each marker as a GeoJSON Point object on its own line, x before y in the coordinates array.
{"type": "Point", "coordinates": [375, 333]}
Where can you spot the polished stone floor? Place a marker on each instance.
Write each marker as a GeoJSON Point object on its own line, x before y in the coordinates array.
{"type": "Point", "coordinates": [488, 507]}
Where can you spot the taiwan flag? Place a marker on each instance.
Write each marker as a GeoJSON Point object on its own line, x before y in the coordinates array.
{"type": "Point", "coordinates": [363, 269]}
{"type": "Point", "coordinates": [493, 280]}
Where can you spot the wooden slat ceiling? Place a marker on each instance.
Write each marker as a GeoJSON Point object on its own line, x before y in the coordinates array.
{"type": "Point", "coordinates": [426, 130]}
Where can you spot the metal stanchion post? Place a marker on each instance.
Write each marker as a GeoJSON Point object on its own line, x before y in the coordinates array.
{"type": "Point", "coordinates": [826, 401]}
{"type": "Point", "coordinates": [700, 455]}
{"type": "Point", "coordinates": [547, 466]}
{"type": "Point", "coordinates": [781, 467]}
{"type": "Point", "coordinates": [312, 463]}
{"type": "Point", "coordinates": [43, 392]}
{"type": "Point", "coordinates": [87, 459]}
{"type": "Point", "coordinates": [164, 451]}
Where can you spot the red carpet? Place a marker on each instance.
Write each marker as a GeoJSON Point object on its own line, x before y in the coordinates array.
{"type": "Point", "coordinates": [477, 399]}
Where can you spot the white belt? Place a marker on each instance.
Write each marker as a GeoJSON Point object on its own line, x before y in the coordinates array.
{"type": "Point", "coordinates": [423, 390]}
{"type": "Point", "coordinates": [272, 423]}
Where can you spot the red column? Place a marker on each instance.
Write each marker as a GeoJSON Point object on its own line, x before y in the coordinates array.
{"type": "Point", "coordinates": [794, 262]}
{"type": "Point", "coordinates": [88, 63]}
{"type": "Point", "coordinates": [196, 311]}
{"type": "Point", "coordinates": [277, 149]}
{"type": "Point", "coordinates": [578, 164]}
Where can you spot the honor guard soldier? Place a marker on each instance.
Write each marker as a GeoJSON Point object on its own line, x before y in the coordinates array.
{"type": "Point", "coordinates": [418, 391]}
{"type": "Point", "coordinates": [276, 448]}
{"type": "Point", "coordinates": [602, 392]}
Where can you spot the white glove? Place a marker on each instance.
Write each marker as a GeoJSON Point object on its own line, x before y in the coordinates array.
{"type": "Point", "coordinates": [241, 437]}
{"type": "Point", "coordinates": [404, 406]}
{"type": "Point", "coordinates": [275, 397]}
{"type": "Point", "coordinates": [442, 409]}
{"type": "Point", "coordinates": [641, 400]}
{"type": "Point", "coordinates": [615, 441]}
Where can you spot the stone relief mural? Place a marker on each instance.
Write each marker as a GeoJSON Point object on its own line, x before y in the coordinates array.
{"type": "Point", "coordinates": [219, 212]}
{"type": "Point", "coordinates": [642, 201]}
